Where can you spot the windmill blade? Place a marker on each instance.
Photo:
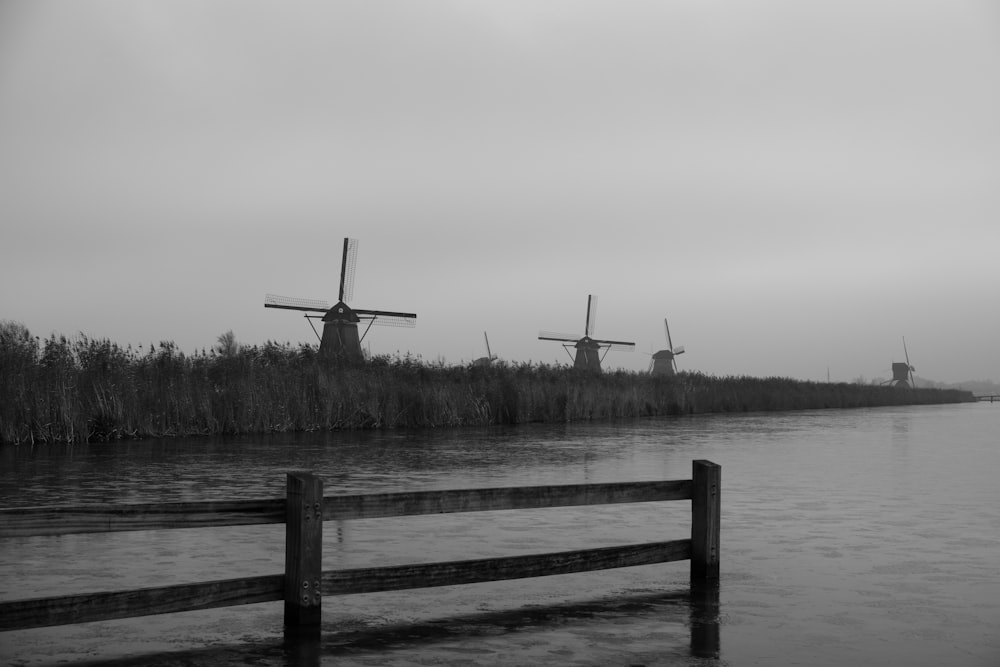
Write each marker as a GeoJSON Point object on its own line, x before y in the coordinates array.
{"type": "Point", "coordinates": [679, 350]}
{"type": "Point", "coordinates": [347, 265]}
{"type": "Point", "coordinates": [387, 318]}
{"type": "Point", "coordinates": [392, 321]}
{"type": "Point", "coordinates": [293, 303]}
{"type": "Point", "coordinates": [591, 315]}
{"type": "Point", "coordinates": [666, 326]}
{"type": "Point", "coordinates": [909, 368]}
{"type": "Point", "coordinates": [552, 335]}
{"type": "Point", "coordinates": [489, 355]}
{"type": "Point", "coordinates": [617, 344]}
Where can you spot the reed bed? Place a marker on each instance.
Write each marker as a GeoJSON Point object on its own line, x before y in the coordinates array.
{"type": "Point", "coordinates": [82, 389]}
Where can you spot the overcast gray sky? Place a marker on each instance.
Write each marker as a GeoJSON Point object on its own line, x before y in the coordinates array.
{"type": "Point", "coordinates": [795, 185]}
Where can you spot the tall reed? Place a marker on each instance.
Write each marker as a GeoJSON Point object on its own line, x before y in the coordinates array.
{"type": "Point", "coordinates": [65, 390]}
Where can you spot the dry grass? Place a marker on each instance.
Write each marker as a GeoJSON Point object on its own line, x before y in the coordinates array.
{"type": "Point", "coordinates": [58, 389]}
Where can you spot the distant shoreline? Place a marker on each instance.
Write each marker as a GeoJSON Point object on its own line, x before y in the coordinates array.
{"type": "Point", "coordinates": [84, 390]}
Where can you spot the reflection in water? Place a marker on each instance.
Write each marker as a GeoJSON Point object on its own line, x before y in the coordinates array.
{"type": "Point", "coordinates": [190, 469]}
{"type": "Point", "coordinates": [576, 633]}
{"type": "Point", "coordinates": [577, 622]}
{"type": "Point", "coordinates": [303, 646]}
{"type": "Point", "coordinates": [705, 619]}
{"type": "Point", "coordinates": [901, 428]}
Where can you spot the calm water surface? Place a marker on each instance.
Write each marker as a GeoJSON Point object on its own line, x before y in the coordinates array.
{"type": "Point", "coordinates": [857, 537]}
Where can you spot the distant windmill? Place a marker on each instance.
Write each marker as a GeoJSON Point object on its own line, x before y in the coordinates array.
{"type": "Point", "coordinates": [488, 359]}
{"type": "Point", "coordinates": [340, 323]}
{"type": "Point", "coordinates": [902, 374]}
{"type": "Point", "coordinates": [588, 349]}
{"type": "Point", "coordinates": [664, 362]}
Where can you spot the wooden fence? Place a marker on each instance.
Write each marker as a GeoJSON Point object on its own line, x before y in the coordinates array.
{"type": "Point", "coordinates": [304, 509]}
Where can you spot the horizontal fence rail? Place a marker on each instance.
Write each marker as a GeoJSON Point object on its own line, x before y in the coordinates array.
{"type": "Point", "coordinates": [87, 607]}
{"type": "Point", "coordinates": [429, 575]}
{"type": "Point", "coordinates": [305, 509]}
{"type": "Point", "coordinates": [64, 520]}
{"type": "Point", "coordinates": [376, 506]}
{"type": "Point", "coordinates": [72, 519]}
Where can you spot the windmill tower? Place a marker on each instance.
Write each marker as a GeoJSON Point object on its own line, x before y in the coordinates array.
{"type": "Point", "coordinates": [588, 349]}
{"type": "Point", "coordinates": [902, 374]}
{"type": "Point", "coordinates": [664, 362]}
{"type": "Point", "coordinates": [489, 358]}
{"type": "Point", "coordinates": [341, 338]}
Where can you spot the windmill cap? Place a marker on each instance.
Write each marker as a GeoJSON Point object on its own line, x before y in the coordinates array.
{"type": "Point", "coordinates": [341, 311]}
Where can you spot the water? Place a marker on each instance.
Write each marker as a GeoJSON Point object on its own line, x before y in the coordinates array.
{"type": "Point", "coordinates": [857, 537]}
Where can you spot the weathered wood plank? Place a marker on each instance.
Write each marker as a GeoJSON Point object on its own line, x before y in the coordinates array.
{"type": "Point", "coordinates": [706, 511]}
{"type": "Point", "coordinates": [56, 520]}
{"type": "Point", "coordinates": [30, 521]}
{"type": "Point", "coordinates": [373, 506]}
{"type": "Point", "coordinates": [104, 606]}
{"type": "Point", "coordinates": [303, 550]}
{"type": "Point", "coordinates": [83, 608]}
{"type": "Point", "coordinates": [426, 575]}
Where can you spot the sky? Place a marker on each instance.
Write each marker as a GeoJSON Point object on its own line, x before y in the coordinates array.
{"type": "Point", "coordinates": [796, 186]}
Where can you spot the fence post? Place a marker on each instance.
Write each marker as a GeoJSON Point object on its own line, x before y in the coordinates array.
{"type": "Point", "coordinates": [303, 550]}
{"type": "Point", "coordinates": [706, 496]}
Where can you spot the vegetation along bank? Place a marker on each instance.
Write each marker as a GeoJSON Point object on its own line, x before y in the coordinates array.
{"type": "Point", "coordinates": [75, 390]}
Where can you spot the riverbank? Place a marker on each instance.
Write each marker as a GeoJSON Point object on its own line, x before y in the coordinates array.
{"type": "Point", "coordinates": [63, 390]}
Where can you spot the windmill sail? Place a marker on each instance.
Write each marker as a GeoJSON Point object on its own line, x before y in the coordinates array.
{"type": "Point", "coordinates": [552, 335]}
{"type": "Point", "coordinates": [347, 268]}
{"type": "Point", "coordinates": [387, 318]}
{"type": "Point", "coordinates": [293, 303]}
{"type": "Point", "coordinates": [591, 328]}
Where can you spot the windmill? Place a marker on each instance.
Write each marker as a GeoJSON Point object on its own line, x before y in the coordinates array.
{"type": "Point", "coordinates": [902, 374]}
{"type": "Point", "coordinates": [488, 359]}
{"type": "Point", "coordinates": [664, 362]}
{"type": "Point", "coordinates": [340, 337]}
{"type": "Point", "coordinates": [588, 350]}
